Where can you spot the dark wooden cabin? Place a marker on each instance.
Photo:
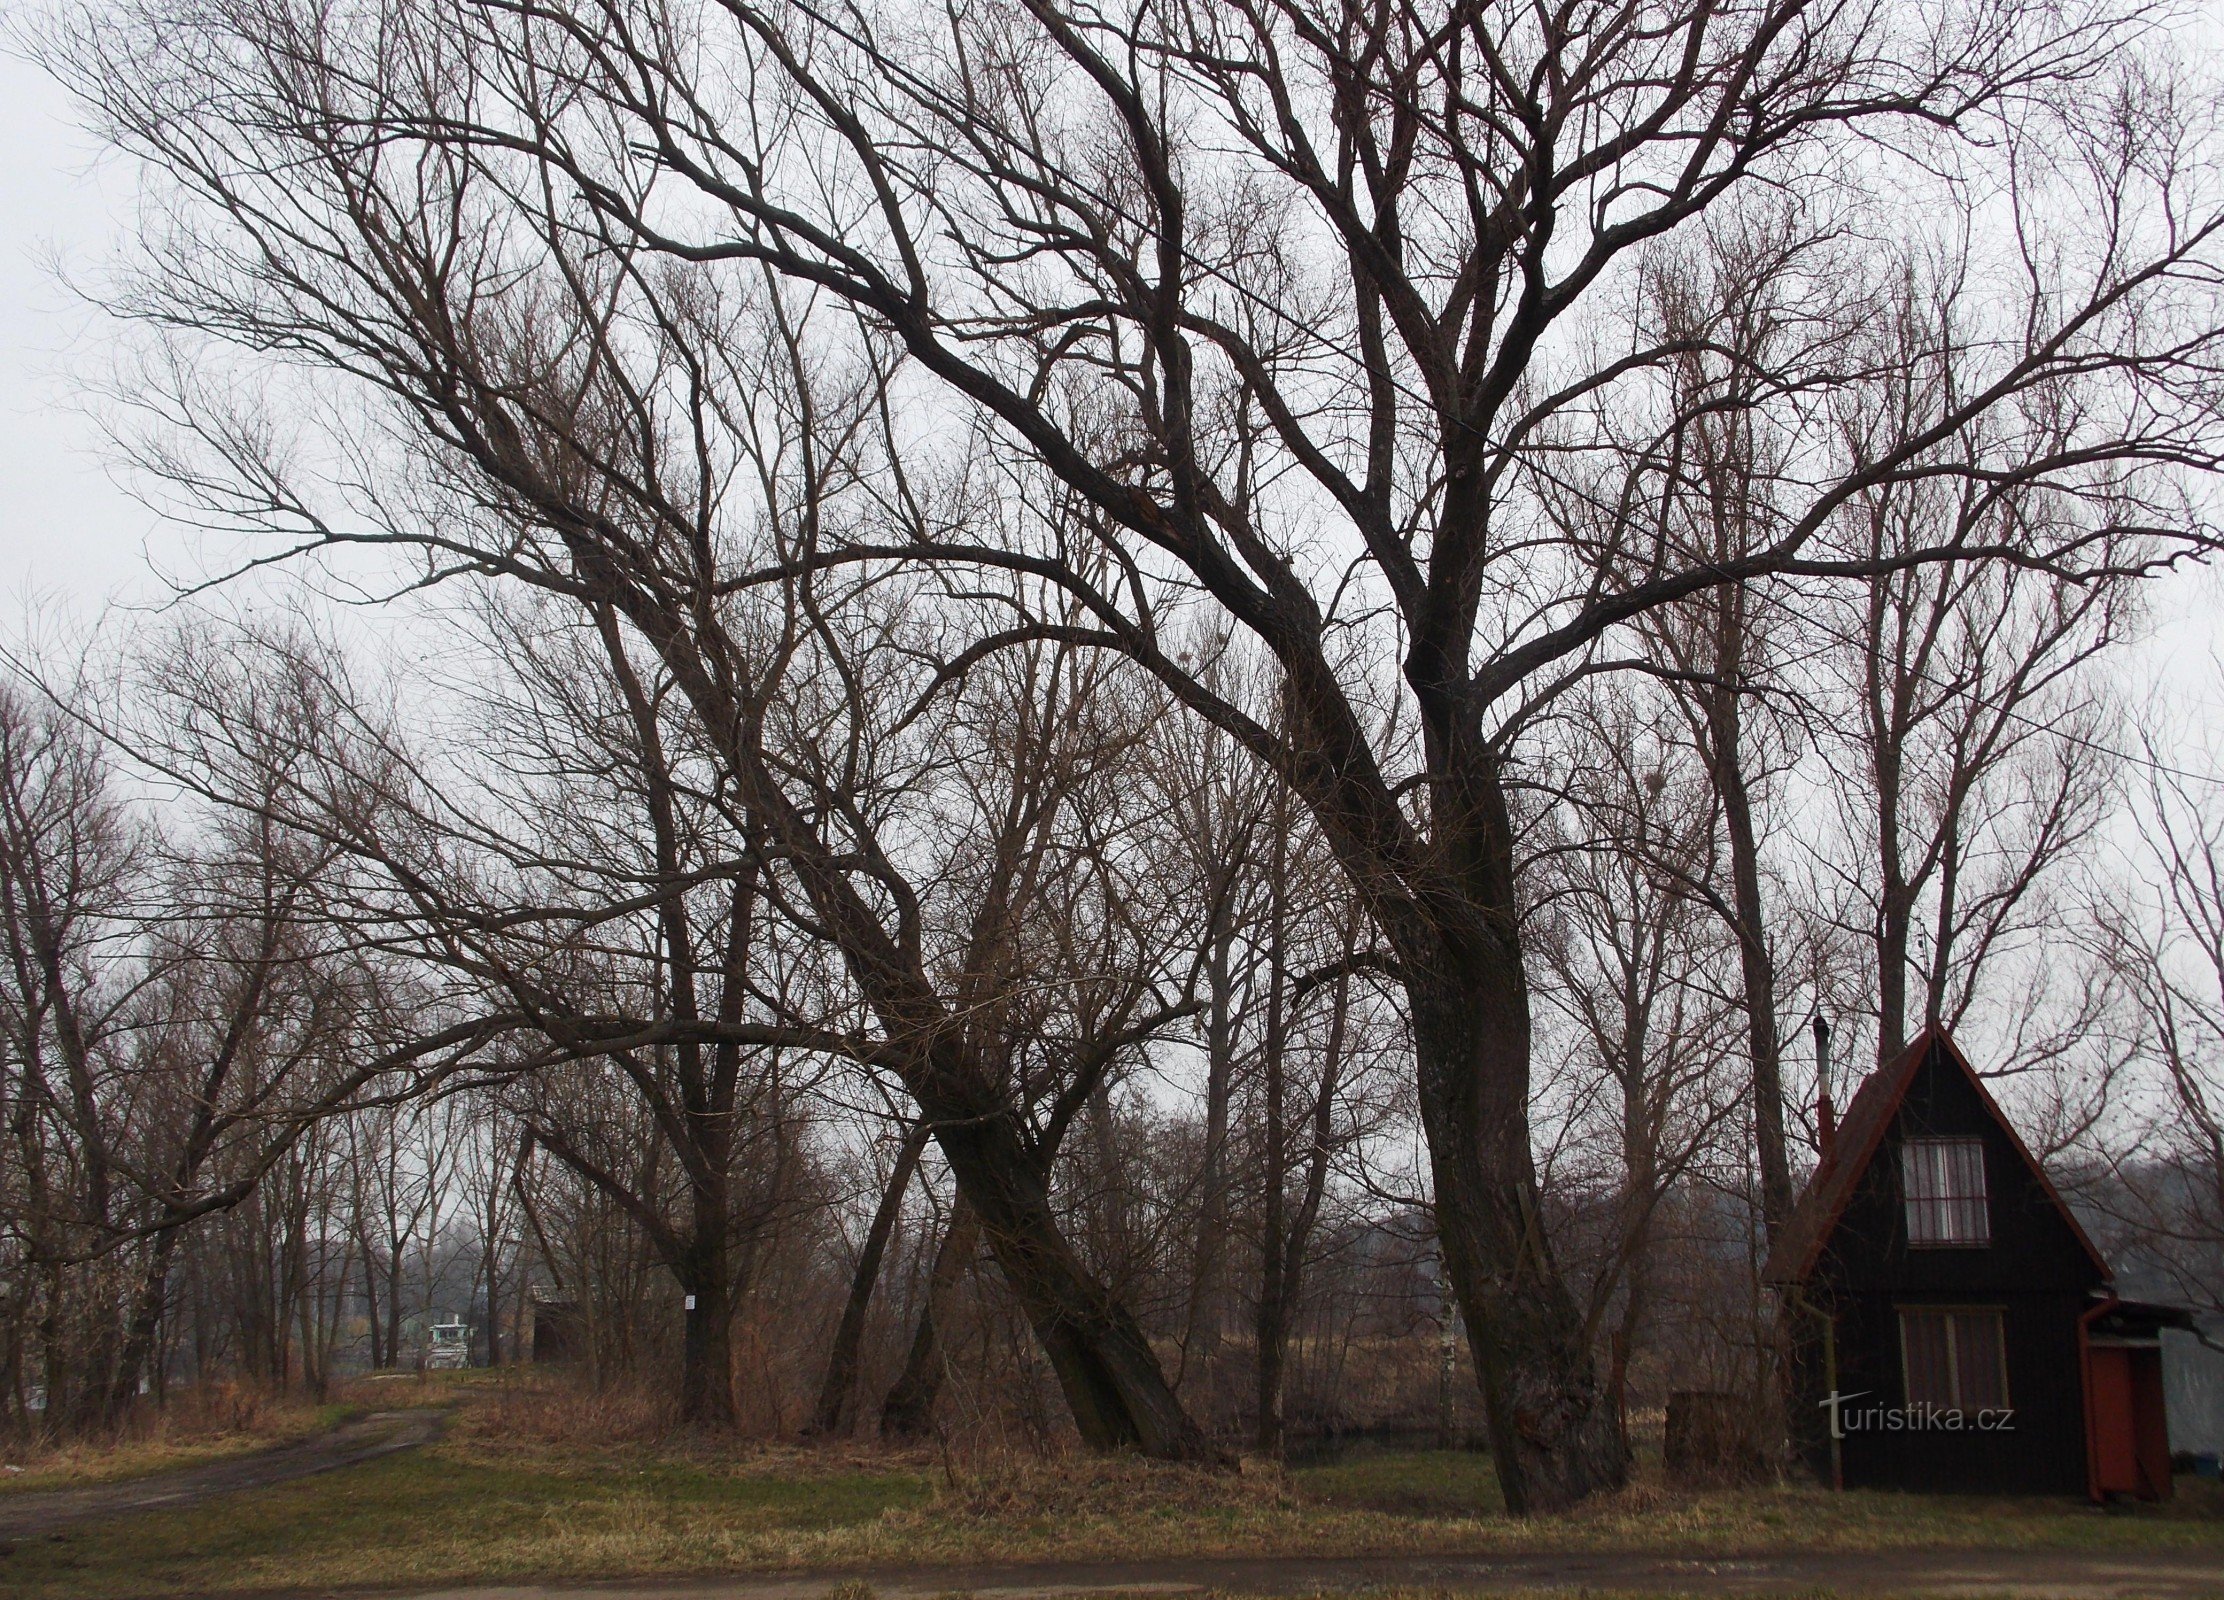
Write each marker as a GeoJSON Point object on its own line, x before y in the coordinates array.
{"type": "Point", "coordinates": [1953, 1326]}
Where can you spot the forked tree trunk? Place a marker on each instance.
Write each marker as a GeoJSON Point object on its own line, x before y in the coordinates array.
{"type": "Point", "coordinates": [1112, 1381]}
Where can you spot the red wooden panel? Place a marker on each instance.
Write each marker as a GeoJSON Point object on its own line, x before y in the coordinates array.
{"type": "Point", "coordinates": [2131, 1444]}
{"type": "Point", "coordinates": [2115, 1443]}
{"type": "Point", "coordinates": [2150, 1423]}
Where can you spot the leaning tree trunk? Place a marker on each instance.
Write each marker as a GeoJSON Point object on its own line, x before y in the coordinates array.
{"type": "Point", "coordinates": [1756, 965]}
{"type": "Point", "coordinates": [908, 1411]}
{"type": "Point", "coordinates": [1111, 1378]}
{"type": "Point", "coordinates": [1119, 1397]}
{"type": "Point", "coordinates": [849, 1335]}
{"type": "Point", "coordinates": [146, 1321]}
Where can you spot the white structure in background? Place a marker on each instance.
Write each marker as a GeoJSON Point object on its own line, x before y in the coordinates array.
{"type": "Point", "coordinates": [2193, 1391]}
{"type": "Point", "coordinates": [448, 1345]}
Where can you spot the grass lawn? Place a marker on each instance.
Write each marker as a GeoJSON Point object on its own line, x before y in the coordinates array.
{"type": "Point", "coordinates": [480, 1508]}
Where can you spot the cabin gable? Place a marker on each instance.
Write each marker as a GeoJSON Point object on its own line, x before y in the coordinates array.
{"type": "Point", "coordinates": [2032, 1244]}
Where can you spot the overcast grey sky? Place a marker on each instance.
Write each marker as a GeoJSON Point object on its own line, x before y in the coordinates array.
{"type": "Point", "coordinates": [72, 539]}
{"type": "Point", "coordinates": [68, 532]}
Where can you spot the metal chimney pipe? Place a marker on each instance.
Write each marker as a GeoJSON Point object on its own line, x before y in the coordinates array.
{"type": "Point", "coordinates": [1826, 1114]}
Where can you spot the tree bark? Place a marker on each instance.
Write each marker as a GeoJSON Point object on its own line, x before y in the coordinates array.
{"type": "Point", "coordinates": [1552, 1431]}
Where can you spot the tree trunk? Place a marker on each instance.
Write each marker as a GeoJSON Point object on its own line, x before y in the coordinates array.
{"type": "Point", "coordinates": [370, 1303]}
{"type": "Point", "coordinates": [1201, 1341]}
{"type": "Point", "coordinates": [1892, 942]}
{"type": "Point", "coordinates": [1112, 1381]}
{"type": "Point", "coordinates": [849, 1336]}
{"type": "Point", "coordinates": [908, 1412]}
{"type": "Point", "coordinates": [494, 1302]}
{"type": "Point", "coordinates": [394, 1301]}
{"type": "Point", "coordinates": [1887, 692]}
{"type": "Point", "coordinates": [1725, 756]}
{"type": "Point", "coordinates": [706, 1276]}
{"type": "Point", "coordinates": [707, 1347]}
{"type": "Point", "coordinates": [1110, 1375]}
{"type": "Point", "coordinates": [145, 1323]}
{"type": "Point", "coordinates": [1620, 1344]}
{"type": "Point", "coordinates": [1553, 1434]}
{"type": "Point", "coordinates": [1271, 1325]}
{"type": "Point", "coordinates": [1272, 1320]}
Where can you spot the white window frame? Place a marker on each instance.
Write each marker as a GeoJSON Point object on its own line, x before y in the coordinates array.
{"type": "Point", "coordinates": [1947, 1203]}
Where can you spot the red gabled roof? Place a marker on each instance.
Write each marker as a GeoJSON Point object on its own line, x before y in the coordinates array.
{"type": "Point", "coordinates": [1799, 1246]}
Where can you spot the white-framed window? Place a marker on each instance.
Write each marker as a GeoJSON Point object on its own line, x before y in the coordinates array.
{"type": "Point", "coordinates": [1945, 1184]}
{"type": "Point", "coordinates": [1954, 1360]}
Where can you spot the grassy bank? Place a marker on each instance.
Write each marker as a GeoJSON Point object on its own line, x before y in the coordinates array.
{"type": "Point", "coordinates": [209, 1426]}
{"type": "Point", "coordinates": [490, 1504]}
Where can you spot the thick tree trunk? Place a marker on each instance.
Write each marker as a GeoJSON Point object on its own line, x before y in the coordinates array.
{"type": "Point", "coordinates": [707, 1349]}
{"type": "Point", "coordinates": [849, 1335]}
{"type": "Point", "coordinates": [908, 1411]}
{"type": "Point", "coordinates": [706, 1275]}
{"type": "Point", "coordinates": [1111, 1378]}
{"type": "Point", "coordinates": [1552, 1428]}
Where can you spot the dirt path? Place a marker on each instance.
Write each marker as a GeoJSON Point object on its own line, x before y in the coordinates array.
{"type": "Point", "coordinates": [365, 1439]}
{"type": "Point", "coordinates": [2025, 1574]}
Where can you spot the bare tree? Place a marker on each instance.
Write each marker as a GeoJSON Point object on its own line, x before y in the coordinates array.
{"type": "Point", "coordinates": [1398, 275]}
{"type": "Point", "coordinates": [1974, 713]}
{"type": "Point", "coordinates": [179, 1019]}
{"type": "Point", "coordinates": [68, 858]}
{"type": "Point", "coordinates": [1634, 962]}
{"type": "Point", "coordinates": [2164, 1176]}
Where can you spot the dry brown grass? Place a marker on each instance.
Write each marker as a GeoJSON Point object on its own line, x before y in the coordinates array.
{"type": "Point", "coordinates": [205, 1423]}
{"type": "Point", "coordinates": [531, 1485]}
